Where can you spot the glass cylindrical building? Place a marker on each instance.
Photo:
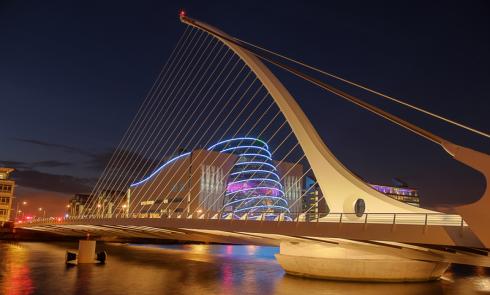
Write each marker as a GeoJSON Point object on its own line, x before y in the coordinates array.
{"type": "Point", "coordinates": [253, 186]}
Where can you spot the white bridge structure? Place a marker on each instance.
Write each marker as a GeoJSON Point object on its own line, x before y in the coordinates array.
{"type": "Point", "coordinates": [215, 86]}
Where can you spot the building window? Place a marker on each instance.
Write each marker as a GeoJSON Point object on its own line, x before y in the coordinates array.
{"type": "Point", "coordinates": [3, 212]}
{"type": "Point", "coordinates": [5, 188]}
{"type": "Point", "coordinates": [145, 203]}
{"type": "Point", "coordinates": [4, 200]}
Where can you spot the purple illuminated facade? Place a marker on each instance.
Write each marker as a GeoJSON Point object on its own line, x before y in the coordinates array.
{"type": "Point", "coordinates": [402, 194]}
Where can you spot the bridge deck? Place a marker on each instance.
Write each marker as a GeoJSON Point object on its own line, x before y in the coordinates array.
{"type": "Point", "coordinates": [448, 230]}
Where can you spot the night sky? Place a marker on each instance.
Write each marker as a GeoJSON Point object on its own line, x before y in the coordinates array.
{"type": "Point", "coordinates": [73, 73]}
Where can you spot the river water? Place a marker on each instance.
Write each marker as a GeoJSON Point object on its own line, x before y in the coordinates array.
{"type": "Point", "coordinates": [38, 268]}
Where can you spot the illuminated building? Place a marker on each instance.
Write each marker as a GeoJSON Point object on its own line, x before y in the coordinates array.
{"type": "Point", "coordinates": [254, 186]}
{"type": "Point", "coordinates": [313, 202]}
{"type": "Point", "coordinates": [292, 180]}
{"type": "Point", "coordinates": [7, 186]}
{"type": "Point", "coordinates": [106, 203]}
{"type": "Point", "coordinates": [77, 204]}
{"type": "Point", "coordinates": [207, 180]}
{"type": "Point", "coordinates": [403, 194]}
{"type": "Point", "coordinates": [192, 181]}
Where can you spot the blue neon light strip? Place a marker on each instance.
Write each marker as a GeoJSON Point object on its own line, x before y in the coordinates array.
{"type": "Point", "coordinates": [259, 179]}
{"type": "Point", "coordinates": [263, 206]}
{"type": "Point", "coordinates": [256, 171]}
{"type": "Point", "coordinates": [247, 147]}
{"type": "Point", "coordinates": [236, 139]}
{"type": "Point", "coordinates": [254, 188]}
{"type": "Point", "coordinates": [244, 200]}
{"type": "Point", "coordinates": [257, 163]}
{"type": "Point", "coordinates": [255, 155]}
{"type": "Point", "coordinates": [160, 168]}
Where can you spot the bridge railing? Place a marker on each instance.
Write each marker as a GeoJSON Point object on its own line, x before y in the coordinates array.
{"type": "Point", "coordinates": [425, 219]}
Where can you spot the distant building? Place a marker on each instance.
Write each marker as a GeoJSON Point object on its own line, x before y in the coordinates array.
{"type": "Point", "coordinates": [105, 203]}
{"type": "Point", "coordinates": [313, 201]}
{"type": "Point", "coordinates": [77, 204]}
{"type": "Point", "coordinates": [292, 180]}
{"type": "Point", "coordinates": [109, 202]}
{"type": "Point", "coordinates": [235, 176]}
{"type": "Point", "coordinates": [7, 186]}
{"type": "Point", "coordinates": [403, 194]}
{"type": "Point", "coordinates": [192, 181]}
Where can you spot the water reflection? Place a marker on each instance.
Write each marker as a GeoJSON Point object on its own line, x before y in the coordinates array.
{"type": "Point", "coordinates": [38, 268]}
{"type": "Point", "coordinates": [14, 270]}
{"type": "Point", "coordinates": [289, 285]}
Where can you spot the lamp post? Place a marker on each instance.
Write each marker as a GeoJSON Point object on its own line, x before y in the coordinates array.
{"type": "Point", "coordinates": [125, 210]}
{"type": "Point", "coordinates": [44, 212]}
{"type": "Point", "coordinates": [17, 210]}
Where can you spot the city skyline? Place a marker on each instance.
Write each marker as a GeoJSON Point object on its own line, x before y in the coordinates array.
{"type": "Point", "coordinates": [244, 148]}
{"type": "Point", "coordinates": [76, 129]}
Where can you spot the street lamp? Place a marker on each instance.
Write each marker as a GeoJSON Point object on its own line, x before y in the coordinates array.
{"type": "Point", "coordinates": [44, 212]}
{"type": "Point", "coordinates": [125, 210]}
{"type": "Point", "coordinates": [17, 210]}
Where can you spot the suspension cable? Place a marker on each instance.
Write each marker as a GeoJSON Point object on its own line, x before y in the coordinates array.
{"type": "Point", "coordinates": [394, 99]}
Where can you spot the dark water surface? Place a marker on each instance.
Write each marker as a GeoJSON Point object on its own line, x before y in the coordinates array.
{"type": "Point", "coordinates": [38, 268]}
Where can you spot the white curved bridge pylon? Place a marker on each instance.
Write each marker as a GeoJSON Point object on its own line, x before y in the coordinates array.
{"type": "Point", "coordinates": [340, 186]}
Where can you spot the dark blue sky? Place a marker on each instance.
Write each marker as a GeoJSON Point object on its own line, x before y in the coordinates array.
{"type": "Point", "coordinates": [72, 74]}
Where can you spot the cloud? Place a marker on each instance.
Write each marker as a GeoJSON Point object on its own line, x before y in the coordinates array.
{"type": "Point", "coordinates": [122, 160]}
{"type": "Point", "coordinates": [51, 164]}
{"type": "Point", "coordinates": [63, 147]}
{"type": "Point", "coordinates": [14, 164]}
{"type": "Point", "coordinates": [98, 161]}
{"type": "Point", "coordinates": [61, 183]}
{"type": "Point", "coordinates": [126, 165]}
{"type": "Point", "coordinates": [95, 161]}
{"type": "Point", "coordinates": [31, 165]}
{"type": "Point", "coordinates": [27, 175]}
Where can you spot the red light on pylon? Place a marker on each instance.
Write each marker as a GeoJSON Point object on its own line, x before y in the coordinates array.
{"type": "Point", "coordinates": [182, 13]}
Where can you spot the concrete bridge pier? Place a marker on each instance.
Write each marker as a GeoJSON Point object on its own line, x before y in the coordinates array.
{"type": "Point", "coordinates": [86, 251]}
{"type": "Point", "coordinates": [341, 262]}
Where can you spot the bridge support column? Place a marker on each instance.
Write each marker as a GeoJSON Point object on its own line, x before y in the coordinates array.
{"type": "Point", "coordinates": [338, 262]}
{"type": "Point", "coordinates": [86, 251]}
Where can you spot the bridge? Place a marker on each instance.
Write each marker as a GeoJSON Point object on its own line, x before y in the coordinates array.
{"type": "Point", "coordinates": [219, 150]}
